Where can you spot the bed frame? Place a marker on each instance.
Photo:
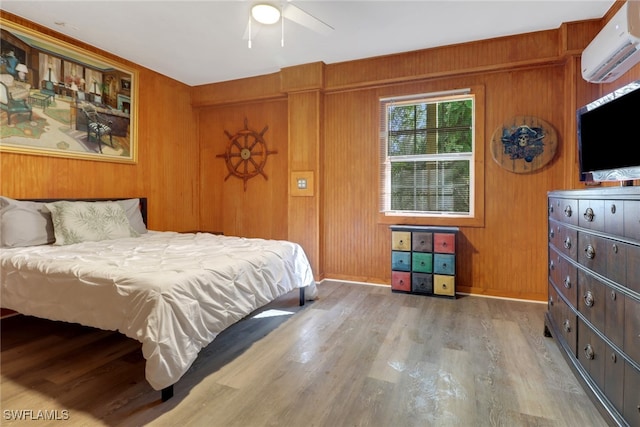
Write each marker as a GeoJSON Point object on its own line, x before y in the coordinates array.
{"type": "Point", "coordinates": [167, 392]}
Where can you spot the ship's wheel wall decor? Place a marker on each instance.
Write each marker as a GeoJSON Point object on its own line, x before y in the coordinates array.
{"type": "Point", "coordinates": [246, 153]}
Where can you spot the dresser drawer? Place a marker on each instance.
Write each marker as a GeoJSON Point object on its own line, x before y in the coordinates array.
{"type": "Point", "coordinates": [401, 240]}
{"type": "Point", "coordinates": [555, 269]}
{"type": "Point", "coordinates": [564, 275]}
{"type": "Point", "coordinates": [605, 256]}
{"type": "Point", "coordinates": [632, 219]}
{"type": "Point", "coordinates": [401, 261]}
{"type": "Point", "coordinates": [616, 253]}
{"type": "Point", "coordinates": [563, 318]}
{"type": "Point", "coordinates": [401, 281]}
{"type": "Point", "coordinates": [422, 283]}
{"type": "Point", "coordinates": [592, 252]}
{"type": "Point", "coordinates": [444, 285]}
{"type": "Point", "coordinates": [632, 328]}
{"type": "Point", "coordinates": [591, 299]}
{"type": "Point", "coordinates": [614, 316]}
{"type": "Point", "coordinates": [422, 262]}
{"type": "Point", "coordinates": [444, 264]}
{"type": "Point", "coordinates": [591, 214]}
{"type": "Point", "coordinates": [614, 217]}
{"type": "Point", "coordinates": [444, 243]}
{"type": "Point", "coordinates": [631, 406]}
{"type": "Point", "coordinates": [591, 353]}
{"type": "Point", "coordinates": [633, 268]}
{"type": "Point", "coordinates": [564, 210]}
{"type": "Point", "coordinates": [564, 239]}
{"type": "Point", "coordinates": [422, 241]}
{"type": "Point", "coordinates": [614, 377]}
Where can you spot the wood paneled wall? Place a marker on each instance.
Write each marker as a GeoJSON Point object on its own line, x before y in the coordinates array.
{"type": "Point", "coordinates": [534, 74]}
{"type": "Point", "coordinates": [323, 118]}
{"type": "Point", "coordinates": [501, 258]}
{"type": "Point", "coordinates": [168, 153]}
{"type": "Point", "coordinates": [226, 206]}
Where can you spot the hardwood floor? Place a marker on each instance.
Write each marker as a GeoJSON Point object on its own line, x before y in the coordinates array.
{"type": "Point", "coordinates": [358, 356]}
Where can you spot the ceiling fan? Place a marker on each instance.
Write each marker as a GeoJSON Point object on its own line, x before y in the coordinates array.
{"type": "Point", "coordinates": [269, 14]}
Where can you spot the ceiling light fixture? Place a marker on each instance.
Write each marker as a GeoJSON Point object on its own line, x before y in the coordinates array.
{"type": "Point", "coordinates": [265, 13]}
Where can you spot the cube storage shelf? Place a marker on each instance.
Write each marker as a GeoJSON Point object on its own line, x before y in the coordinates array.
{"type": "Point", "coordinates": [423, 260]}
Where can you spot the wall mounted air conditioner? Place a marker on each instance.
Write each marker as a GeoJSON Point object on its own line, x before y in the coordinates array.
{"type": "Point", "coordinates": [616, 48]}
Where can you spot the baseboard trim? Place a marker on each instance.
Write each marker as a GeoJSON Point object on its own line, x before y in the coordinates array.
{"type": "Point", "coordinates": [355, 282]}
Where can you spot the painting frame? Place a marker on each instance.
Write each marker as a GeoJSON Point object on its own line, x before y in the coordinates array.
{"type": "Point", "coordinates": [75, 105]}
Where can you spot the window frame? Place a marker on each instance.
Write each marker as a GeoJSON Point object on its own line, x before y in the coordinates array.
{"type": "Point", "coordinates": [476, 219]}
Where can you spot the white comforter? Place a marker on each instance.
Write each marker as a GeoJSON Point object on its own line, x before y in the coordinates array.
{"type": "Point", "coordinates": [172, 292]}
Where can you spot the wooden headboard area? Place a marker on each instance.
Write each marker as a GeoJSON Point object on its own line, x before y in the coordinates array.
{"type": "Point", "coordinates": [143, 202]}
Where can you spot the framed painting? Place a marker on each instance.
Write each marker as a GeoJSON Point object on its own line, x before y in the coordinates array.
{"type": "Point", "coordinates": [59, 100]}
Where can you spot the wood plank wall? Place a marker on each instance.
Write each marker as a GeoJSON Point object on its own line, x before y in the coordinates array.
{"type": "Point", "coordinates": [535, 74]}
{"type": "Point", "coordinates": [500, 258]}
{"type": "Point", "coordinates": [323, 118]}
{"type": "Point", "coordinates": [260, 210]}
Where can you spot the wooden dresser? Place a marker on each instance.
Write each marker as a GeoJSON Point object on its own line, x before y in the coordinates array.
{"type": "Point", "coordinates": [594, 294]}
{"type": "Point", "coordinates": [423, 260]}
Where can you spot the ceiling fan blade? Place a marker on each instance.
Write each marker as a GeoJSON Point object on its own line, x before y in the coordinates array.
{"type": "Point", "coordinates": [299, 16]}
{"type": "Point", "coordinates": [251, 30]}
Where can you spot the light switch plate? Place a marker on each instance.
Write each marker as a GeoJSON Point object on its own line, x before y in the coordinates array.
{"type": "Point", "coordinates": [302, 183]}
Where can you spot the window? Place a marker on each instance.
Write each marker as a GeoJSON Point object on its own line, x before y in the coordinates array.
{"type": "Point", "coordinates": [427, 155]}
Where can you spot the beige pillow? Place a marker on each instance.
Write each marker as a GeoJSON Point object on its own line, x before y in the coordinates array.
{"type": "Point", "coordinates": [76, 222]}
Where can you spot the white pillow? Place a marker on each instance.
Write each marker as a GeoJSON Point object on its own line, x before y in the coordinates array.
{"type": "Point", "coordinates": [132, 209]}
{"type": "Point", "coordinates": [24, 223]}
{"type": "Point", "coordinates": [76, 222]}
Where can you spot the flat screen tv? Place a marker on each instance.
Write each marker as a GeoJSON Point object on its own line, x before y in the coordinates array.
{"type": "Point", "coordinates": [608, 137]}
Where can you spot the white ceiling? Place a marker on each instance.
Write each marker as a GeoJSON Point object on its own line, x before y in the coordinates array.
{"type": "Point", "coordinates": [200, 42]}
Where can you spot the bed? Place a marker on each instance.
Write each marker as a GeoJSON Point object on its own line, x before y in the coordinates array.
{"type": "Point", "coordinates": [172, 292]}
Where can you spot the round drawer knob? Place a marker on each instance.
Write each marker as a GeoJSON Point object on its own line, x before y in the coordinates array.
{"type": "Point", "coordinates": [567, 243]}
{"type": "Point", "coordinates": [567, 211]}
{"type": "Point", "coordinates": [614, 357]}
{"type": "Point", "coordinates": [588, 352]}
{"type": "Point", "coordinates": [551, 233]}
{"type": "Point", "coordinates": [613, 295]}
{"type": "Point", "coordinates": [590, 252]}
{"type": "Point", "coordinates": [588, 299]}
{"type": "Point", "coordinates": [566, 326]}
{"type": "Point", "coordinates": [567, 282]}
{"type": "Point", "coordinates": [613, 208]}
{"type": "Point", "coordinates": [588, 215]}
